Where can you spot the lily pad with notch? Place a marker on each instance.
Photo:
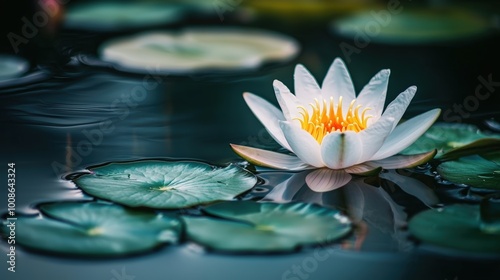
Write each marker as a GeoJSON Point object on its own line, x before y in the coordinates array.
{"type": "Point", "coordinates": [247, 226]}
{"type": "Point", "coordinates": [477, 171]}
{"type": "Point", "coordinates": [456, 227]}
{"type": "Point", "coordinates": [95, 229]}
{"type": "Point", "coordinates": [165, 184]}
{"type": "Point", "coordinates": [453, 141]}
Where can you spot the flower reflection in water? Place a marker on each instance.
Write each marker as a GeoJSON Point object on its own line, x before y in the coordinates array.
{"type": "Point", "coordinates": [375, 209]}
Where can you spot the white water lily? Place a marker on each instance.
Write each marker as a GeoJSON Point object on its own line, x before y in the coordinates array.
{"type": "Point", "coordinates": [331, 130]}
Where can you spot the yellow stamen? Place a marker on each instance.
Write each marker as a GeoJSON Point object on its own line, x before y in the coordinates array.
{"type": "Point", "coordinates": [166, 188]}
{"type": "Point", "coordinates": [325, 118]}
{"type": "Point", "coordinates": [95, 231]}
{"type": "Point", "coordinates": [264, 228]}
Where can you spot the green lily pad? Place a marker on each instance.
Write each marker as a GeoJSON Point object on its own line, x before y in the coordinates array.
{"type": "Point", "coordinates": [453, 140]}
{"type": "Point", "coordinates": [475, 171]}
{"type": "Point", "coordinates": [164, 184]}
{"type": "Point", "coordinates": [481, 147]}
{"type": "Point", "coordinates": [247, 226]}
{"type": "Point", "coordinates": [457, 227]}
{"type": "Point", "coordinates": [95, 229]}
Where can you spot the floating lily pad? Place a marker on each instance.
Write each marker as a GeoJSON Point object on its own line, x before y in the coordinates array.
{"type": "Point", "coordinates": [247, 226]}
{"type": "Point", "coordinates": [95, 229]}
{"type": "Point", "coordinates": [413, 27]}
{"type": "Point", "coordinates": [111, 16]}
{"type": "Point", "coordinates": [452, 140]}
{"type": "Point", "coordinates": [475, 171]}
{"type": "Point", "coordinates": [197, 49]}
{"type": "Point", "coordinates": [12, 66]}
{"type": "Point", "coordinates": [165, 185]}
{"type": "Point", "coordinates": [457, 227]}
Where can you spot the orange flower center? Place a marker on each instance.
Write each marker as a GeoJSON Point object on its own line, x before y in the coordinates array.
{"type": "Point", "coordinates": [326, 117]}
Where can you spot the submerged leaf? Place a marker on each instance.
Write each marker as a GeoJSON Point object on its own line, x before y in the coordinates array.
{"type": "Point", "coordinates": [475, 171]}
{"type": "Point", "coordinates": [266, 227]}
{"type": "Point", "coordinates": [456, 226]}
{"type": "Point", "coordinates": [453, 140]}
{"type": "Point", "coordinates": [95, 229]}
{"type": "Point", "coordinates": [165, 185]}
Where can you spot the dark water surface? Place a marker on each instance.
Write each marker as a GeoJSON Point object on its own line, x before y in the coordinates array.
{"type": "Point", "coordinates": [80, 116]}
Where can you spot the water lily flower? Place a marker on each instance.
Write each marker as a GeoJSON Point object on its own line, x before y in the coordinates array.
{"type": "Point", "coordinates": [333, 131]}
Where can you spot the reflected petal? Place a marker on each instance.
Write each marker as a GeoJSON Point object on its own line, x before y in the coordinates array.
{"type": "Point", "coordinates": [413, 187]}
{"type": "Point", "coordinates": [373, 205]}
{"type": "Point", "coordinates": [323, 180]}
{"type": "Point", "coordinates": [286, 190]}
{"type": "Point", "coordinates": [355, 199]}
{"type": "Point", "coordinates": [294, 189]}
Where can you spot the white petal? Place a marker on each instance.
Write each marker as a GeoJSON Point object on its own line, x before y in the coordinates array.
{"type": "Point", "coordinates": [341, 150]}
{"type": "Point", "coordinates": [269, 159]}
{"type": "Point", "coordinates": [323, 180]}
{"type": "Point", "coordinates": [288, 102]}
{"type": "Point", "coordinates": [338, 83]}
{"type": "Point", "coordinates": [373, 94]}
{"type": "Point", "coordinates": [306, 87]}
{"type": "Point", "coordinates": [302, 144]}
{"type": "Point", "coordinates": [403, 161]}
{"type": "Point", "coordinates": [268, 115]}
{"type": "Point", "coordinates": [406, 133]}
{"type": "Point", "coordinates": [374, 137]}
{"type": "Point", "coordinates": [397, 107]}
{"type": "Point", "coordinates": [362, 169]}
